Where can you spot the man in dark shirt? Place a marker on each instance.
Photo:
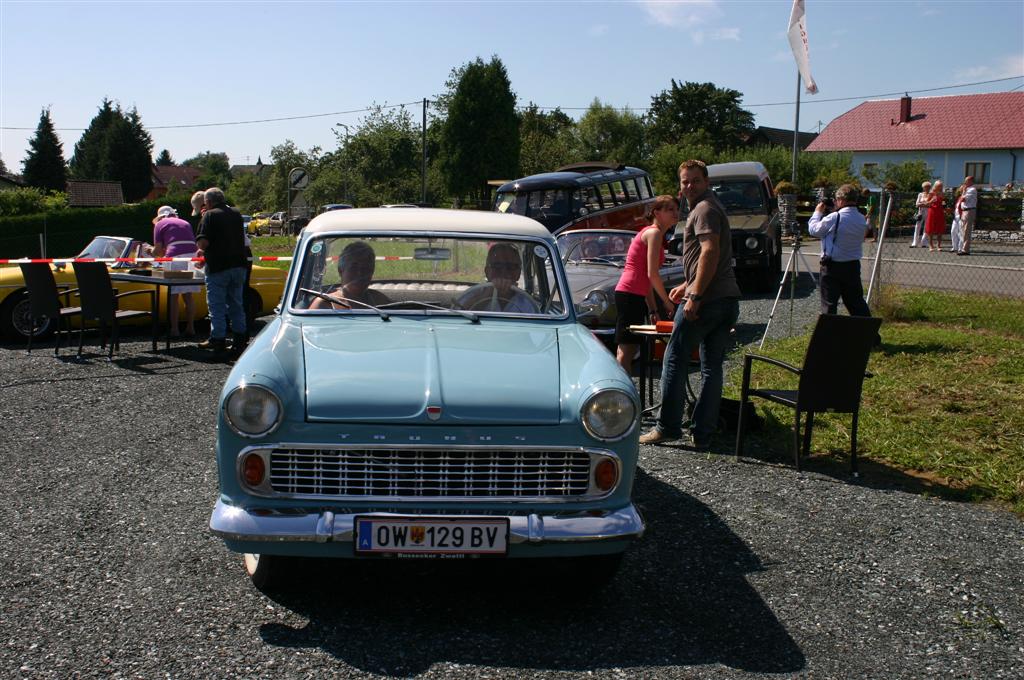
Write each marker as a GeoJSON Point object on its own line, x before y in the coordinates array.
{"type": "Point", "coordinates": [221, 240]}
{"type": "Point", "coordinates": [711, 308]}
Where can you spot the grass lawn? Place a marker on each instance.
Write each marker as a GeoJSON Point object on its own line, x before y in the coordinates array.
{"type": "Point", "coordinates": [944, 413]}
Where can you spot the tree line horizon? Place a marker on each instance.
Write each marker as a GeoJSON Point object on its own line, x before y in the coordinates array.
{"type": "Point", "coordinates": [474, 134]}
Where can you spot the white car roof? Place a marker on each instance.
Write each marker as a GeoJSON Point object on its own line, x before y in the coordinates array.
{"type": "Point", "coordinates": [738, 169]}
{"type": "Point", "coordinates": [427, 219]}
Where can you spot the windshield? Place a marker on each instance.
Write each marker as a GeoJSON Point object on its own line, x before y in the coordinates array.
{"type": "Point", "coordinates": [601, 247]}
{"type": "Point", "coordinates": [739, 196]}
{"type": "Point", "coordinates": [103, 247]}
{"type": "Point", "coordinates": [416, 274]}
{"type": "Point", "coordinates": [550, 207]}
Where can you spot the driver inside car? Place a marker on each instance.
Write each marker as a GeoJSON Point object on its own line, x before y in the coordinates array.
{"type": "Point", "coordinates": [355, 271]}
{"type": "Point", "coordinates": [500, 293]}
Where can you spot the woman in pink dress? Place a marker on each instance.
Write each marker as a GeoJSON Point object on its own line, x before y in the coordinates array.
{"type": "Point", "coordinates": [935, 226]}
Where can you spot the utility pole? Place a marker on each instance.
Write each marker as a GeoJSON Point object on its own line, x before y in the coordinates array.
{"type": "Point", "coordinates": [423, 171]}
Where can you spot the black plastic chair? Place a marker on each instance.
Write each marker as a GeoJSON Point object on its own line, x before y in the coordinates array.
{"type": "Point", "coordinates": [44, 297]}
{"type": "Point", "coordinates": [100, 301]}
{"type": "Point", "coordinates": [830, 380]}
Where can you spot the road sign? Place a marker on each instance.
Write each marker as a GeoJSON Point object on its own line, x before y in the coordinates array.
{"type": "Point", "coordinates": [298, 179]}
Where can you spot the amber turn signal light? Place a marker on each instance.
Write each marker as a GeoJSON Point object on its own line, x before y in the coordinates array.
{"type": "Point", "coordinates": [606, 475]}
{"type": "Point", "coordinates": [253, 469]}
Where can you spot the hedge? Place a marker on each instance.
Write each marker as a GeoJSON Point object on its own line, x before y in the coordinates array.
{"type": "Point", "coordinates": [68, 231]}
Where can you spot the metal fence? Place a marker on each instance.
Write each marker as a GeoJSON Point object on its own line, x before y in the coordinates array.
{"type": "Point", "coordinates": [995, 265]}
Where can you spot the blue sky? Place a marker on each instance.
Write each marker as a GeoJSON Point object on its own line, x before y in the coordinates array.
{"type": "Point", "coordinates": [185, 63]}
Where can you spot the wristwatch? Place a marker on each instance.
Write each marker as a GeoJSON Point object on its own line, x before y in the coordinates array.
{"type": "Point", "coordinates": [695, 297]}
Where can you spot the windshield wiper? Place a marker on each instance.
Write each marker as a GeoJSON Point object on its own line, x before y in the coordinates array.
{"type": "Point", "coordinates": [475, 318]}
{"type": "Point", "coordinates": [331, 298]}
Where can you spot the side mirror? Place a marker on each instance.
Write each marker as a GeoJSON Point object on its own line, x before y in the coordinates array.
{"type": "Point", "coordinates": [675, 246]}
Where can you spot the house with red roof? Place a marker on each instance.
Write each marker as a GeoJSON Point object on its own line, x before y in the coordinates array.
{"type": "Point", "coordinates": [972, 134]}
{"type": "Point", "coordinates": [167, 176]}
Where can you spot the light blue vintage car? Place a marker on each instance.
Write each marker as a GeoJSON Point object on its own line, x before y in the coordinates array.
{"type": "Point", "coordinates": [426, 391]}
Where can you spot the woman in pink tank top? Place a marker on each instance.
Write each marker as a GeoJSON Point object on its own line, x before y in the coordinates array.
{"type": "Point", "coordinates": [640, 281]}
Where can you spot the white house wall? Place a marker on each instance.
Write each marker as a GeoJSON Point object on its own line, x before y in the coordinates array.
{"type": "Point", "coordinates": [949, 165]}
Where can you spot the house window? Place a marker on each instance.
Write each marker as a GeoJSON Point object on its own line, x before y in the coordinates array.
{"type": "Point", "coordinates": [869, 169]}
{"type": "Point", "coordinates": [979, 171]}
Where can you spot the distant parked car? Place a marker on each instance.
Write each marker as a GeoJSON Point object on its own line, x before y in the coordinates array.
{"type": "Point", "coordinates": [399, 205]}
{"type": "Point", "coordinates": [333, 206]}
{"type": "Point", "coordinates": [276, 223]}
{"type": "Point", "coordinates": [424, 391]}
{"type": "Point", "coordinates": [259, 223]}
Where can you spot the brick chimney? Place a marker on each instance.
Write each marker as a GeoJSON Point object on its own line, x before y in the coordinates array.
{"type": "Point", "coordinates": [905, 109]}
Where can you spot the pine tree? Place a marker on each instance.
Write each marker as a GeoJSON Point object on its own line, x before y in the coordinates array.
{"type": "Point", "coordinates": [164, 159]}
{"type": "Point", "coordinates": [91, 160]}
{"type": "Point", "coordinates": [44, 166]}
{"type": "Point", "coordinates": [116, 147]}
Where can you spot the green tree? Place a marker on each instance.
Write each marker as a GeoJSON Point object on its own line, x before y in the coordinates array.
{"type": "Point", "coordinates": [116, 147]}
{"type": "Point", "coordinates": [607, 134]}
{"type": "Point", "coordinates": [547, 140]}
{"type": "Point", "coordinates": [286, 156]}
{"type": "Point", "coordinates": [246, 192]}
{"type": "Point", "coordinates": [695, 107]}
{"type": "Point", "coordinates": [906, 176]}
{"type": "Point", "coordinates": [91, 158]}
{"type": "Point", "coordinates": [215, 166]}
{"type": "Point", "coordinates": [44, 165]}
{"type": "Point", "coordinates": [131, 151]}
{"type": "Point", "coordinates": [664, 162]}
{"type": "Point", "coordinates": [480, 138]}
{"type": "Point", "coordinates": [164, 159]}
{"type": "Point", "coordinates": [3, 168]}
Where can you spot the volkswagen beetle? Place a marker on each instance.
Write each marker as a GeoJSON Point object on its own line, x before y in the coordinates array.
{"type": "Point", "coordinates": [424, 392]}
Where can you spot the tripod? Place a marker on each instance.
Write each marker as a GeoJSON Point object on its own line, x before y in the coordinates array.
{"type": "Point", "coordinates": [792, 266]}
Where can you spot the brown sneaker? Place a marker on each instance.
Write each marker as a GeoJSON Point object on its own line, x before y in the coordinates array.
{"type": "Point", "coordinates": [656, 436]}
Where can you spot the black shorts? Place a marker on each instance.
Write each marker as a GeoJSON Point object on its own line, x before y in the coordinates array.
{"type": "Point", "coordinates": [631, 310]}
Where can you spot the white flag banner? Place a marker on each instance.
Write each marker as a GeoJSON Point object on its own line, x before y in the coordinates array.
{"type": "Point", "coordinates": [798, 41]}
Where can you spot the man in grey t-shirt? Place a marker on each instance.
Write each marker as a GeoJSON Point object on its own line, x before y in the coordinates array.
{"type": "Point", "coordinates": [711, 308]}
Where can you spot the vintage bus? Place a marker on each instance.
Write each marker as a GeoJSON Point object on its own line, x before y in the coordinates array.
{"type": "Point", "coordinates": [581, 196]}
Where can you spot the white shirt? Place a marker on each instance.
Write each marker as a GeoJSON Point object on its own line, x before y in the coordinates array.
{"type": "Point", "coordinates": [970, 198]}
{"type": "Point", "coordinates": [846, 244]}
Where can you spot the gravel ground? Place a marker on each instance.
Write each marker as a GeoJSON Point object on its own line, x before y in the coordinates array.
{"type": "Point", "coordinates": [748, 570]}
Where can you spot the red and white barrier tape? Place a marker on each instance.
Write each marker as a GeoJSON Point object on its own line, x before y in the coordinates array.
{"type": "Point", "coordinates": [259, 258]}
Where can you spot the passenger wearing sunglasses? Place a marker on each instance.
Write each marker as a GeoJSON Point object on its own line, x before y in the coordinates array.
{"type": "Point", "coordinates": [500, 293]}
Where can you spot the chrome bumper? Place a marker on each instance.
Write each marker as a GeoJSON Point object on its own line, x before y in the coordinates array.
{"type": "Point", "coordinates": [237, 524]}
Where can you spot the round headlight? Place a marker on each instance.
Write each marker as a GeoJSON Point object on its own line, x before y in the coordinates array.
{"type": "Point", "coordinates": [253, 411]}
{"type": "Point", "coordinates": [609, 414]}
{"type": "Point", "coordinates": [751, 243]}
{"type": "Point", "coordinates": [596, 303]}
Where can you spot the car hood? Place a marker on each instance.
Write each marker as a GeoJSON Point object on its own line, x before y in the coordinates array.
{"type": "Point", "coordinates": [747, 222]}
{"type": "Point", "coordinates": [369, 371]}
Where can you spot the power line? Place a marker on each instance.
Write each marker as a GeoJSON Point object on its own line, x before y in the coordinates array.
{"type": "Point", "coordinates": [543, 108]}
{"type": "Point", "coordinates": [246, 122]}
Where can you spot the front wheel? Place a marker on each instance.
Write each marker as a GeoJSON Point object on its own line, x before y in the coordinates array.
{"type": "Point", "coordinates": [269, 573]}
{"type": "Point", "coordinates": [16, 319]}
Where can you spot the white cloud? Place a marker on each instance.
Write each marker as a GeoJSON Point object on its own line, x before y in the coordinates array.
{"type": "Point", "coordinates": [598, 30]}
{"type": "Point", "coordinates": [1006, 67]}
{"type": "Point", "coordinates": [680, 13]}
{"type": "Point", "coordinates": [726, 34]}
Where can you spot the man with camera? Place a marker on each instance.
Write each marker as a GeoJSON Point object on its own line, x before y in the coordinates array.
{"type": "Point", "coordinates": [841, 229]}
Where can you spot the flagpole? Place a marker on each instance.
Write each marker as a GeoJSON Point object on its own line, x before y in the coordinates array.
{"type": "Point", "coordinates": [796, 124]}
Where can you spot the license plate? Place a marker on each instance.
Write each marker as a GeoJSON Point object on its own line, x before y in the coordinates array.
{"type": "Point", "coordinates": [430, 536]}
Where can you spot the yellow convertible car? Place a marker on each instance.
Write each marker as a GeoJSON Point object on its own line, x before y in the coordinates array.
{"type": "Point", "coordinates": [266, 285]}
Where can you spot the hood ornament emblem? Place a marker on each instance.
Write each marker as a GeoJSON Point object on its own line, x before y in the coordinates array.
{"type": "Point", "coordinates": [433, 412]}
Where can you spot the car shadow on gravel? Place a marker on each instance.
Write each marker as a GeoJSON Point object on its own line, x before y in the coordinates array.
{"type": "Point", "coordinates": [681, 598]}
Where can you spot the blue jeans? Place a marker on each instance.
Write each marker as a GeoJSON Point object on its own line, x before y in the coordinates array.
{"type": "Point", "coordinates": [224, 297]}
{"type": "Point", "coordinates": [711, 331]}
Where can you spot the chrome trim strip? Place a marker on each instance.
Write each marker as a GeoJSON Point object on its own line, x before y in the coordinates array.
{"type": "Point", "coordinates": [259, 524]}
{"type": "Point", "coordinates": [592, 494]}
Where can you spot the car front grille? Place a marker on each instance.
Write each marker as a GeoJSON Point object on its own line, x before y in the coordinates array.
{"type": "Point", "coordinates": [419, 473]}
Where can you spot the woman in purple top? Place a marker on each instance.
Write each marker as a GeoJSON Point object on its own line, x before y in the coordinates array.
{"type": "Point", "coordinates": [172, 237]}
